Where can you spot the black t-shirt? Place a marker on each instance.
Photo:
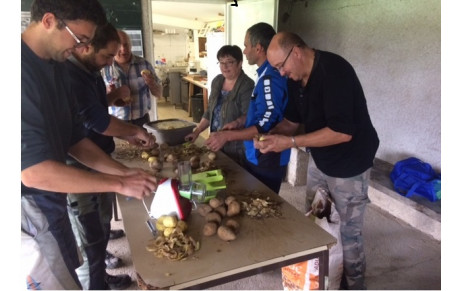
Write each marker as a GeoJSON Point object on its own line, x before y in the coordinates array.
{"type": "Point", "coordinates": [90, 92]}
{"type": "Point", "coordinates": [334, 98]}
{"type": "Point", "coordinates": [49, 120]}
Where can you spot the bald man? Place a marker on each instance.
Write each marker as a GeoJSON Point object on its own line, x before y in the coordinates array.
{"type": "Point", "coordinates": [130, 81]}
{"type": "Point", "coordinates": [325, 95]}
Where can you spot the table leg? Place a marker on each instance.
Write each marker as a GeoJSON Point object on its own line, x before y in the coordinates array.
{"type": "Point", "coordinates": [205, 99]}
{"type": "Point", "coordinates": [115, 209]}
{"type": "Point", "coordinates": [190, 94]}
{"type": "Point", "coordinates": [323, 269]}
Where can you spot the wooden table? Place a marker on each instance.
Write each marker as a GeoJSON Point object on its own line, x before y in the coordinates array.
{"type": "Point", "coordinates": [261, 245]}
{"type": "Point", "coordinates": [191, 89]}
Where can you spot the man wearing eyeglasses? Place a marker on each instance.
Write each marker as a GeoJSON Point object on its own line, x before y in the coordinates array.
{"type": "Point", "coordinates": [326, 96]}
{"type": "Point", "coordinates": [266, 108]}
{"type": "Point", "coordinates": [50, 130]}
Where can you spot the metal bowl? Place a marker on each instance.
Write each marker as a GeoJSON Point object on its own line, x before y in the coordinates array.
{"type": "Point", "coordinates": [170, 131]}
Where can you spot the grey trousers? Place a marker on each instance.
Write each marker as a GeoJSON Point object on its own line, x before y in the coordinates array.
{"type": "Point", "coordinates": [90, 215]}
{"type": "Point", "coordinates": [350, 198]}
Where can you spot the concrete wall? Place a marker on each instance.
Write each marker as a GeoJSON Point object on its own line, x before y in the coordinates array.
{"type": "Point", "coordinates": [395, 48]}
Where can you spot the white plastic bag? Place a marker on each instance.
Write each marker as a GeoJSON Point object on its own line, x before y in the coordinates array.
{"type": "Point", "coordinates": [305, 275]}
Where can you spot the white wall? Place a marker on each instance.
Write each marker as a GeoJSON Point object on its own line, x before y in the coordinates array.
{"type": "Point", "coordinates": [172, 47]}
{"type": "Point", "coordinates": [395, 48]}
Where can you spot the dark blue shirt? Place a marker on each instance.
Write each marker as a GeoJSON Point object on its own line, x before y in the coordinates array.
{"type": "Point", "coordinates": [49, 119]}
{"type": "Point", "coordinates": [90, 91]}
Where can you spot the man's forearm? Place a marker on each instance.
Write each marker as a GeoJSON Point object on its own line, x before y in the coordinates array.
{"type": "Point", "coordinates": [118, 128]}
{"type": "Point", "coordinates": [90, 155]}
{"type": "Point", "coordinates": [57, 177]}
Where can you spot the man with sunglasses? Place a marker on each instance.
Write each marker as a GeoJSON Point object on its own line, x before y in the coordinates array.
{"type": "Point", "coordinates": [325, 95]}
{"type": "Point", "coordinates": [50, 130]}
{"type": "Point", "coordinates": [266, 108]}
{"type": "Point", "coordinates": [91, 213]}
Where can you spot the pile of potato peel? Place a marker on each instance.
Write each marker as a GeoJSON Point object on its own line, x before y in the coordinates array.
{"type": "Point", "coordinates": [177, 246]}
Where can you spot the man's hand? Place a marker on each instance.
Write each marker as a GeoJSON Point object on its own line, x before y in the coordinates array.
{"type": "Point", "coordinates": [191, 137]}
{"type": "Point", "coordinates": [155, 88]}
{"type": "Point", "coordinates": [216, 140]}
{"type": "Point", "coordinates": [142, 139]}
{"type": "Point", "coordinates": [272, 143]}
{"type": "Point", "coordinates": [137, 183]}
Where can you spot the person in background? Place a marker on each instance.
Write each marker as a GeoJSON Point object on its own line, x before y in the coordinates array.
{"type": "Point", "coordinates": [229, 99]}
{"type": "Point", "coordinates": [130, 81]}
{"type": "Point", "coordinates": [51, 130]}
{"type": "Point", "coordinates": [268, 101]}
{"type": "Point", "coordinates": [91, 213]}
{"type": "Point", "coordinates": [325, 95]}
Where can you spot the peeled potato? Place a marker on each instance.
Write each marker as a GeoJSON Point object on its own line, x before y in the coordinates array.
{"type": "Point", "coordinates": [170, 221]}
{"type": "Point", "coordinates": [167, 232]}
{"type": "Point", "coordinates": [182, 225]}
{"type": "Point", "coordinates": [145, 71]}
{"type": "Point", "coordinates": [145, 155]}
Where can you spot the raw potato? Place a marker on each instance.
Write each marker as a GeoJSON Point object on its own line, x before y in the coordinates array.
{"type": "Point", "coordinates": [209, 229]}
{"type": "Point", "coordinates": [195, 162]}
{"type": "Point", "coordinates": [171, 158]}
{"type": "Point", "coordinates": [215, 202]}
{"type": "Point", "coordinates": [221, 210]}
{"type": "Point", "coordinates": [225, 233]}
{"type": "Point", "coordinates": [213, 216]}
{"type": "Point", "coordinates": [155, 152]}
{"type": "Point", "coordinates": [229, 199]}
{"type": "Point", "coordinates": [233, 225]}
{"type": "Point", "coordinates": [234, 208]}
{"type": "Point", "coordinates": [212, 156]}
{"type": "Point", "coordinates": [204, 209]}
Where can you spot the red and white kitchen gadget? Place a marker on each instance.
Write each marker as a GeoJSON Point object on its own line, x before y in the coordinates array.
{"type": "Point", "coordinates": [167, 201]}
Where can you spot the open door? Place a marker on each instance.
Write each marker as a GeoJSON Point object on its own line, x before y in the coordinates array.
{"type": "Point", "coordinates": [239, 18]}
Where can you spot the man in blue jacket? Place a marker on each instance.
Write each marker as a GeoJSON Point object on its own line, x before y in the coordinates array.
{"type": "Point", "coordinates": [266, 109]}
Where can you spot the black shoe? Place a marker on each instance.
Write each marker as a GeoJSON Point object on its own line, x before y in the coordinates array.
{"type": "Point", "coordinates": [114, 234]}
{"type": "Point", "coordinates": [111, 262]}
{"type": "Point", "coordinates": [118, 282]}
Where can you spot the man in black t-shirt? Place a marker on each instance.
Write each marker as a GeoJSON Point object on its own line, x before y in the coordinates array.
{"type": "Point", "coordinates": [325, 95]}
{"type": "Point", "coordinates": [91, 213]}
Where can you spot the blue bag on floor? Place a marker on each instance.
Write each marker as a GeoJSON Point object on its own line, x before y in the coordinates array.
{"type": "Point", "coordinates": [412, 176]}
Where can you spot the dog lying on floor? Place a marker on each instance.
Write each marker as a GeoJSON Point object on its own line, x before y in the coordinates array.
{"type": "Point", "coordinates": [321, 205]}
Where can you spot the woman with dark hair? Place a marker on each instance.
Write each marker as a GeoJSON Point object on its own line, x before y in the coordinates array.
{"type": "Point", "coordinates": [228, 100]}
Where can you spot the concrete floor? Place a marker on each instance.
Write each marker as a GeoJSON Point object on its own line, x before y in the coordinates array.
{"type": "Point", "coordinates": [399, 257]}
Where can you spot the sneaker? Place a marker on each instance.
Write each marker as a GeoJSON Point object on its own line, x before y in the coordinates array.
{"type": "Point", "coordinates": [111, 262]}
{"type": "Point", "coordinates": [118, 282]}
{"type": "Point", "coordinates": [114, 234]}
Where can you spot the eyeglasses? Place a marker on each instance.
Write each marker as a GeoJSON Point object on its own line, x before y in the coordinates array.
{"type": "Point", "coordinates": [226, 64]}
{"type": "Point", "coordinates": [80, 43]}
{"type": "Point", "coordinates": [282, 65]}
